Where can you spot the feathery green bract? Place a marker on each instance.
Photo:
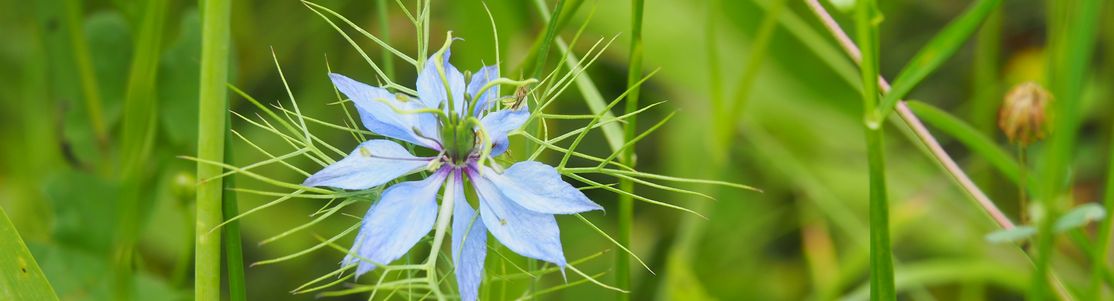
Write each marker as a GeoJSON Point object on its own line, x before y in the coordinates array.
{"type": "Point", "coordinates": [931, 56]}
{"type": "Point", "coordinates": [592, 96]}
{"type": "Point", "coordinates": [20, 276]}
{"type": "Point", "coordinates": [212, 113]}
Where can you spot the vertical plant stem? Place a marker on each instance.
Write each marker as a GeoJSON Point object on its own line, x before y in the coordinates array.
{"type": "Point", "coordinates": [136, 140]}
{"type": "Point", "coordinates": [550, 33]}
{"type": "Point", "coordinates": [385, 35]}
{"type": "Point", "coordinates": [987, 91]}
{"type": "Point", "coordinates": [626, 203]}
{"type": "Point", "coordinates": [720, 122]}
{"type": "Point", "coordinates": [233, 250]}
{"type": "Point", "coordinates": [90, 87]}
{"type": "Point", "coordinates": [911, 120]}
{"type": "Point", "coordinates": [1099, 259]}
{"type": "Point", "coordinates": [757, 55]}
{"type": "Point", "coordinates": [1022, 185]}
{"type": "Point", "coordinates": [537, 68]}
{"type": "Point", "coordinates": [881, 256]}
{"type": "Point", "coordinates": [536, 71]}
{"type": "Point", "coordinates": [1069, 60]}
{"type": "Point", "coordinates": [212, 110]}
{"type": "Point", "coordinates": [444, 214]}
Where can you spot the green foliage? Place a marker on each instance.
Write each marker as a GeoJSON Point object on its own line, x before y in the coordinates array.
{"type": "Point", "coordinates": [21, 278]}
{"type": "Point", "coordinates": [760, 92]}
{"type": "Point", "coordinates": [936, 52]}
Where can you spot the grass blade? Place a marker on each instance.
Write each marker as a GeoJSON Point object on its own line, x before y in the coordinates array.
{"type": "Point", "coordinates": [22, 279]}
{"type": "Point", "coordinates": [969, 136]}
{"type": "Point", "coordinates": [942, 47]}
{"type": "Point", "coordinates": [233, 250]}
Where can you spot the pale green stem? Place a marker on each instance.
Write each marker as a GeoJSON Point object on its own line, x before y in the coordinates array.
{"type": "Point", "coordinates": [443, 216]}
{"type": "Point", "coordinates": [210, 146]}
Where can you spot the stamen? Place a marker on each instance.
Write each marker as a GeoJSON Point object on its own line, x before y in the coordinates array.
{"type": "Point", "coordinates": [419, 134]}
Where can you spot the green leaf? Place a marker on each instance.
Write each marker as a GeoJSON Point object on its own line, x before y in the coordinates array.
{"type": "Point", "coordinates": [110, 42]}
{"type": "Point", "coordinates": [974, 140]}
{"type": "Point", "coordinates": [929, 58]}
{"type": "Point", "coordinates": [20, 276]}
{"type": "Point", "coordinates": [82, 218]}
{"type": "Point", "coordinates": [178, 83]}
{"type": "Point", "coordinates": [1016, 234]}
{"type": "Point", "coordinates": [1079, 216]}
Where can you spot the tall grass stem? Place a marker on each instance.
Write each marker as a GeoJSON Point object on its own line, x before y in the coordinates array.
{"type": "Point", "coordinates": [626, 203]}
{"type": "Point", "coordinates": [881, 253]}
{"type": "Point", "coordinates": [212, 110]}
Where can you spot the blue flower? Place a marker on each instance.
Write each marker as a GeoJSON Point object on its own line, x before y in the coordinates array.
{"type": "Point", "coordinates": [458, 120]}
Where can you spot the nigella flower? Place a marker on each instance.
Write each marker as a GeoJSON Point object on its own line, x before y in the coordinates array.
{"type": "Point", "coordinates": [459, 120]}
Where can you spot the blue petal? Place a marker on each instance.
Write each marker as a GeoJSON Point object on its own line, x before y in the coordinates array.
{"type": "Point", "coordinates": [431, 90]}
{"type": "Point", "coordinates": [539, 188]}
{"type": "Point", "coordinates": [372, 163]}
{"type": "Point", "coordinates": [403, 215]}
{"type": "Point", "coordinates": [481, 78]}
{"type": "Point", "coordinates": [525, 232]}
{"type": "Point", "coordinates": [468, 250]}
{"type": "Point", "coordinates": [381, 119]}
{"type": "Point", "coordinates": [501, 123]}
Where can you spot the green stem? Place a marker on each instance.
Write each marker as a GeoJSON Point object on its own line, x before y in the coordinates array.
{"type": "Point", "coordinates": [385, 35]}
{"type": "Point", "coordinates": [1099, 259]}
{"type": "Point", "coordinates": [550, 33]}
{"type": "Point", "coordinates": [443, 217]}
{"type": "Point", "coordinates": [89, 83]}
{"type": "Point", "coordinates": [1068, 64]}
{"type": "Point", "coordinates": [212, 110]}
{"type": "Point", "coordinates": [233, 249]}
{"type": "Point", "coordinates": [881, 254]}
{"type": "Point", "coordinates": [626, 203]}
{"type": "Point", "coordinates": [136, 140]}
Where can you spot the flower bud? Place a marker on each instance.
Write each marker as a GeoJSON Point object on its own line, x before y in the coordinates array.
{"type": "Point", "coordinates": [184, 186]}
{"type": "Point", "coordinates": [1024, 113]}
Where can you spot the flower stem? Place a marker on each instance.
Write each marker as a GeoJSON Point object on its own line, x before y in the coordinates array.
{"type": "Point", "coordinates": [626, 203]}
{"type": "Point", "coordinates": [84, 61]}
{"type": "Point", "coordinates": [444, 214]}
{"type": "Point", "coordinates": [212, 110]}
{"type": "Point", "coordinates": [881, 254]}
{"type": "Point", "coordinates": [385, 35]}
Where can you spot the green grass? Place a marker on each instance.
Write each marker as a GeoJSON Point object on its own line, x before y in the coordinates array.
{"type": "Point", "coordinates": [102, 100]}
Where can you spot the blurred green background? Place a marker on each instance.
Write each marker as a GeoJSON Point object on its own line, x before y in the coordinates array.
{"type": "Point", "coordinates": [799, 139]}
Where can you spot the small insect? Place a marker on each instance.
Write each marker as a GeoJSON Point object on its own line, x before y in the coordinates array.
{"type": "Point", "coordinates": [519, 98]}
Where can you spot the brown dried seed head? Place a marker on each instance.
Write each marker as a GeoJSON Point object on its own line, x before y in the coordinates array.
{"type": "Point", "coordinates": [1023, 114]}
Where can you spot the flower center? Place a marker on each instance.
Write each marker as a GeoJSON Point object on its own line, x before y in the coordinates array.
{"type": "Point", "coordinates": [459, 140]}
